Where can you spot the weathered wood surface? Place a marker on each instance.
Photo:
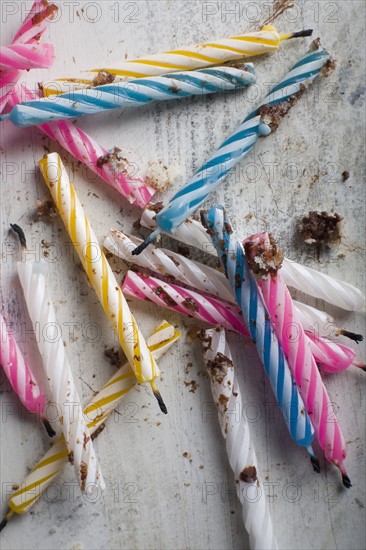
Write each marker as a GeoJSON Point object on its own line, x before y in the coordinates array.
{"type": "Point", "coordinates": [155, 497]}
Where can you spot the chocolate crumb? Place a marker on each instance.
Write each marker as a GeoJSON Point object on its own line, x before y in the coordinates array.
{"type": "Point", "coordinates": [71, 457]}
{"type": "Point", "coordinates": [329, 67]}
{"type": "Point", "coordinates": [192, 384]}
{"type": "Point", "coordinates": [189, 303]}
{"type": "Point", "coordinates": [103, 77]}
{"type": "Point", "coordinates": [320, 228]}
{"type": "Point", "coordinates": [98, 431]}
{"type": "Point", "coordinates": [345, 175]}
{"type": "Point", "coordinates": [249, 474]}
{"type": "Point", "coordinates": [159, 291]}
{"type": "Point", "coordinates": [113, 356]}
{"type": "Point", "coordinates": [264, 257]}
{"type": "Point", "coordinates": [218, 368]}
{"type": "Point", "coordinates": [84, 474]}
{"type": "Point", "coordinates": [223, 401]}
{"type": "Point", "coordinates": [86, 439]}
{"type": "Point", "coordinates": [157, 207]}
{"type": "Point", "coordinates": [49, 12]}
{"type": "Point", "coordinates": [15, 487]}
{"type": "Point", "coordinates": [45, 210]}
{"type": "Point", "coordinates": [272, 115]}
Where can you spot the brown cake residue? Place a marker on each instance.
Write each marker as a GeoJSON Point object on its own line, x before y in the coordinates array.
{"type": "Point", "coordinates": [84, 474]}
{"type": "Point", "coordinates": [103, 77]}
{"type": "Point", "coordinates": [49, 12]}
{"type": "Point", "coordinates": [264, 256]}
{"type": "Point", "coordinates": [46, 210]}
{"type": "Point", "coordinates": [272, 115]}
{"type": "Point", "coordinates": [113, 356]}
{"type": "Point", "coordinates": [320, 228]}
{"type": "Point", "coordinates": [249, 474]}
{"type": "Point", "coordinates": [219, 367]}
{"type": "Point", "coordinates": [159, 291]}
{"type": "Point", "coordinates": [117, 162]}
{"type": "Point", "coordinates": [189, 303]}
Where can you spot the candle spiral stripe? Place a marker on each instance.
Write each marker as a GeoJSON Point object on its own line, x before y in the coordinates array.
{"type": "Point", "coordinates": [131, 94]}
{"type": "Point", "coordinates": [239, 447]}
{"type": "Point", "coordinates": [307, 280]}
{"type": "Point", "coordinates": [170, 264]}
{"type": "Point", "coordinates": [26, 56]}
{"type": "Point", "coordinates": [292, 338]}
{"type": "Point", "coordinates": [97, 268]}
{"type": "Point", "coordinates": [100, 408]}
{"type": "Point", "coordinates": [188, 58]}
{"type": "Point", "coordinates": [85, 149]}
{"type": "Point", "coordinates": [331, 355]}
{"type": "Point", "coordinates": [18, 372]}
{"type": "Point", "coordinates": [260, 329]}
{"type": "Point", "coordinates": [57, 368]}
{"type": "Point", "coordinates": [182, 300]}
{"type": "Point", "coordinates": [259, 123]}
{"type": "Point", "coordinates": [321, 285]}
{"type": "Point", "coordinates": [30, 32]}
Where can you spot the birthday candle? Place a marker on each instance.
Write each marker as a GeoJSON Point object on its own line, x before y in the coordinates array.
{"type": "Point", "coordinates": [256, 319]}
{"type": "Point", "coordinates": [239, 447]}
{"type": "Point", "coordinates": [96, 413]}
{"type": "Point", "coordinates": [33, 278]}
{"type": "Point", "coordinates": [183, 300]}
{"type": "Point", "coordinates": [298, 276]}
{"type": "Point", "coordinates": [188, 58]}
{"type": "Point", "coordinates": [333, 356]}
{"type": "Point", "coordinates": [260, 122]}
{"type": "Point", "coordinates": [321, 323]}
{"type": "Point", "coordinates": [170, 264]}
{"type": "Point", "coordinates": [26, 56]}
{"type": "Point", "coordinates": [20, 375]}
{"type": "Point", "coordinates": [265, 258]}
{"type": "Point", "coordinates": [99, 272]}
{"type": "Point", "coordinates": [131, 94]}
{"type": "Point", "coordinates": [86, 150]}
{"type": "Point", "coordinates": [29, 33]}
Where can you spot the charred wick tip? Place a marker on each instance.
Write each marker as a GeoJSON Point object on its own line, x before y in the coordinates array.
{"type": "Point", "coordinates": [346, 481]}
{"type": "Point", "coordinates": [161, 402]}
{"type": "Point", "coordinates": [50, 431]}
{"type": "Point", "coordinates": [140, 248]}
{"type": "Point", "coordinates": [19, 231]}
{"type": "Point", "coordinates": [316, 464]}
{"type": "Point", "coordinates": [3, 524]}
{"type": "Point", "coordinates": [301, 34]}
{"type": "Point", "coordinates": [351, 335]}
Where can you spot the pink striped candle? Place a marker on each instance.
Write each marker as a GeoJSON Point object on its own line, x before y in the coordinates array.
{"type": "Point", "coordinates": [262, 255]}
{"type": "Point", "coordinates": [173, 297]}
{"type": "Point", "coordinates": [30, 32]}
{"type": "Point", "coordinates": [86, 150]}
{"type": "Point", "coordinates": [20, 376]}
{"type": "Point", "coordinates": [23, 57]}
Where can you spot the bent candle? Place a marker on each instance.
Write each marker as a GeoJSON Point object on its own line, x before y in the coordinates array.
{"type": "Point", "coordinates": [96, 413]}
{"type": "Point", "coordinates": [270, 351]}
{"type": "Point", "coordinates": [261, 122]}
{"type": "Point", "coordinates": [187, 58]}
{"type": "Point", "coordinates": [131, 94]}
{"type": "Point", "coordinates": [99, 272]}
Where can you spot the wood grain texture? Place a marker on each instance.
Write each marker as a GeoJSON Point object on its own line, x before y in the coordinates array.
{"type": "Point", "coordinates": [155, 497]}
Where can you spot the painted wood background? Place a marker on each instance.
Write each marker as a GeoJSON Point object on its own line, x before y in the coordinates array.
{"type": "Point", "coordinates": [156, 498]}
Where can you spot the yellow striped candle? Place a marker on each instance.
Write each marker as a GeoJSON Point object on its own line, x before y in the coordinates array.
{"type": "Point", "coordinates": [99, 272]}
{"type": "Point", "coordinates": [183, 59]}
{"type": "Point", "coordinates": [101, 406]}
